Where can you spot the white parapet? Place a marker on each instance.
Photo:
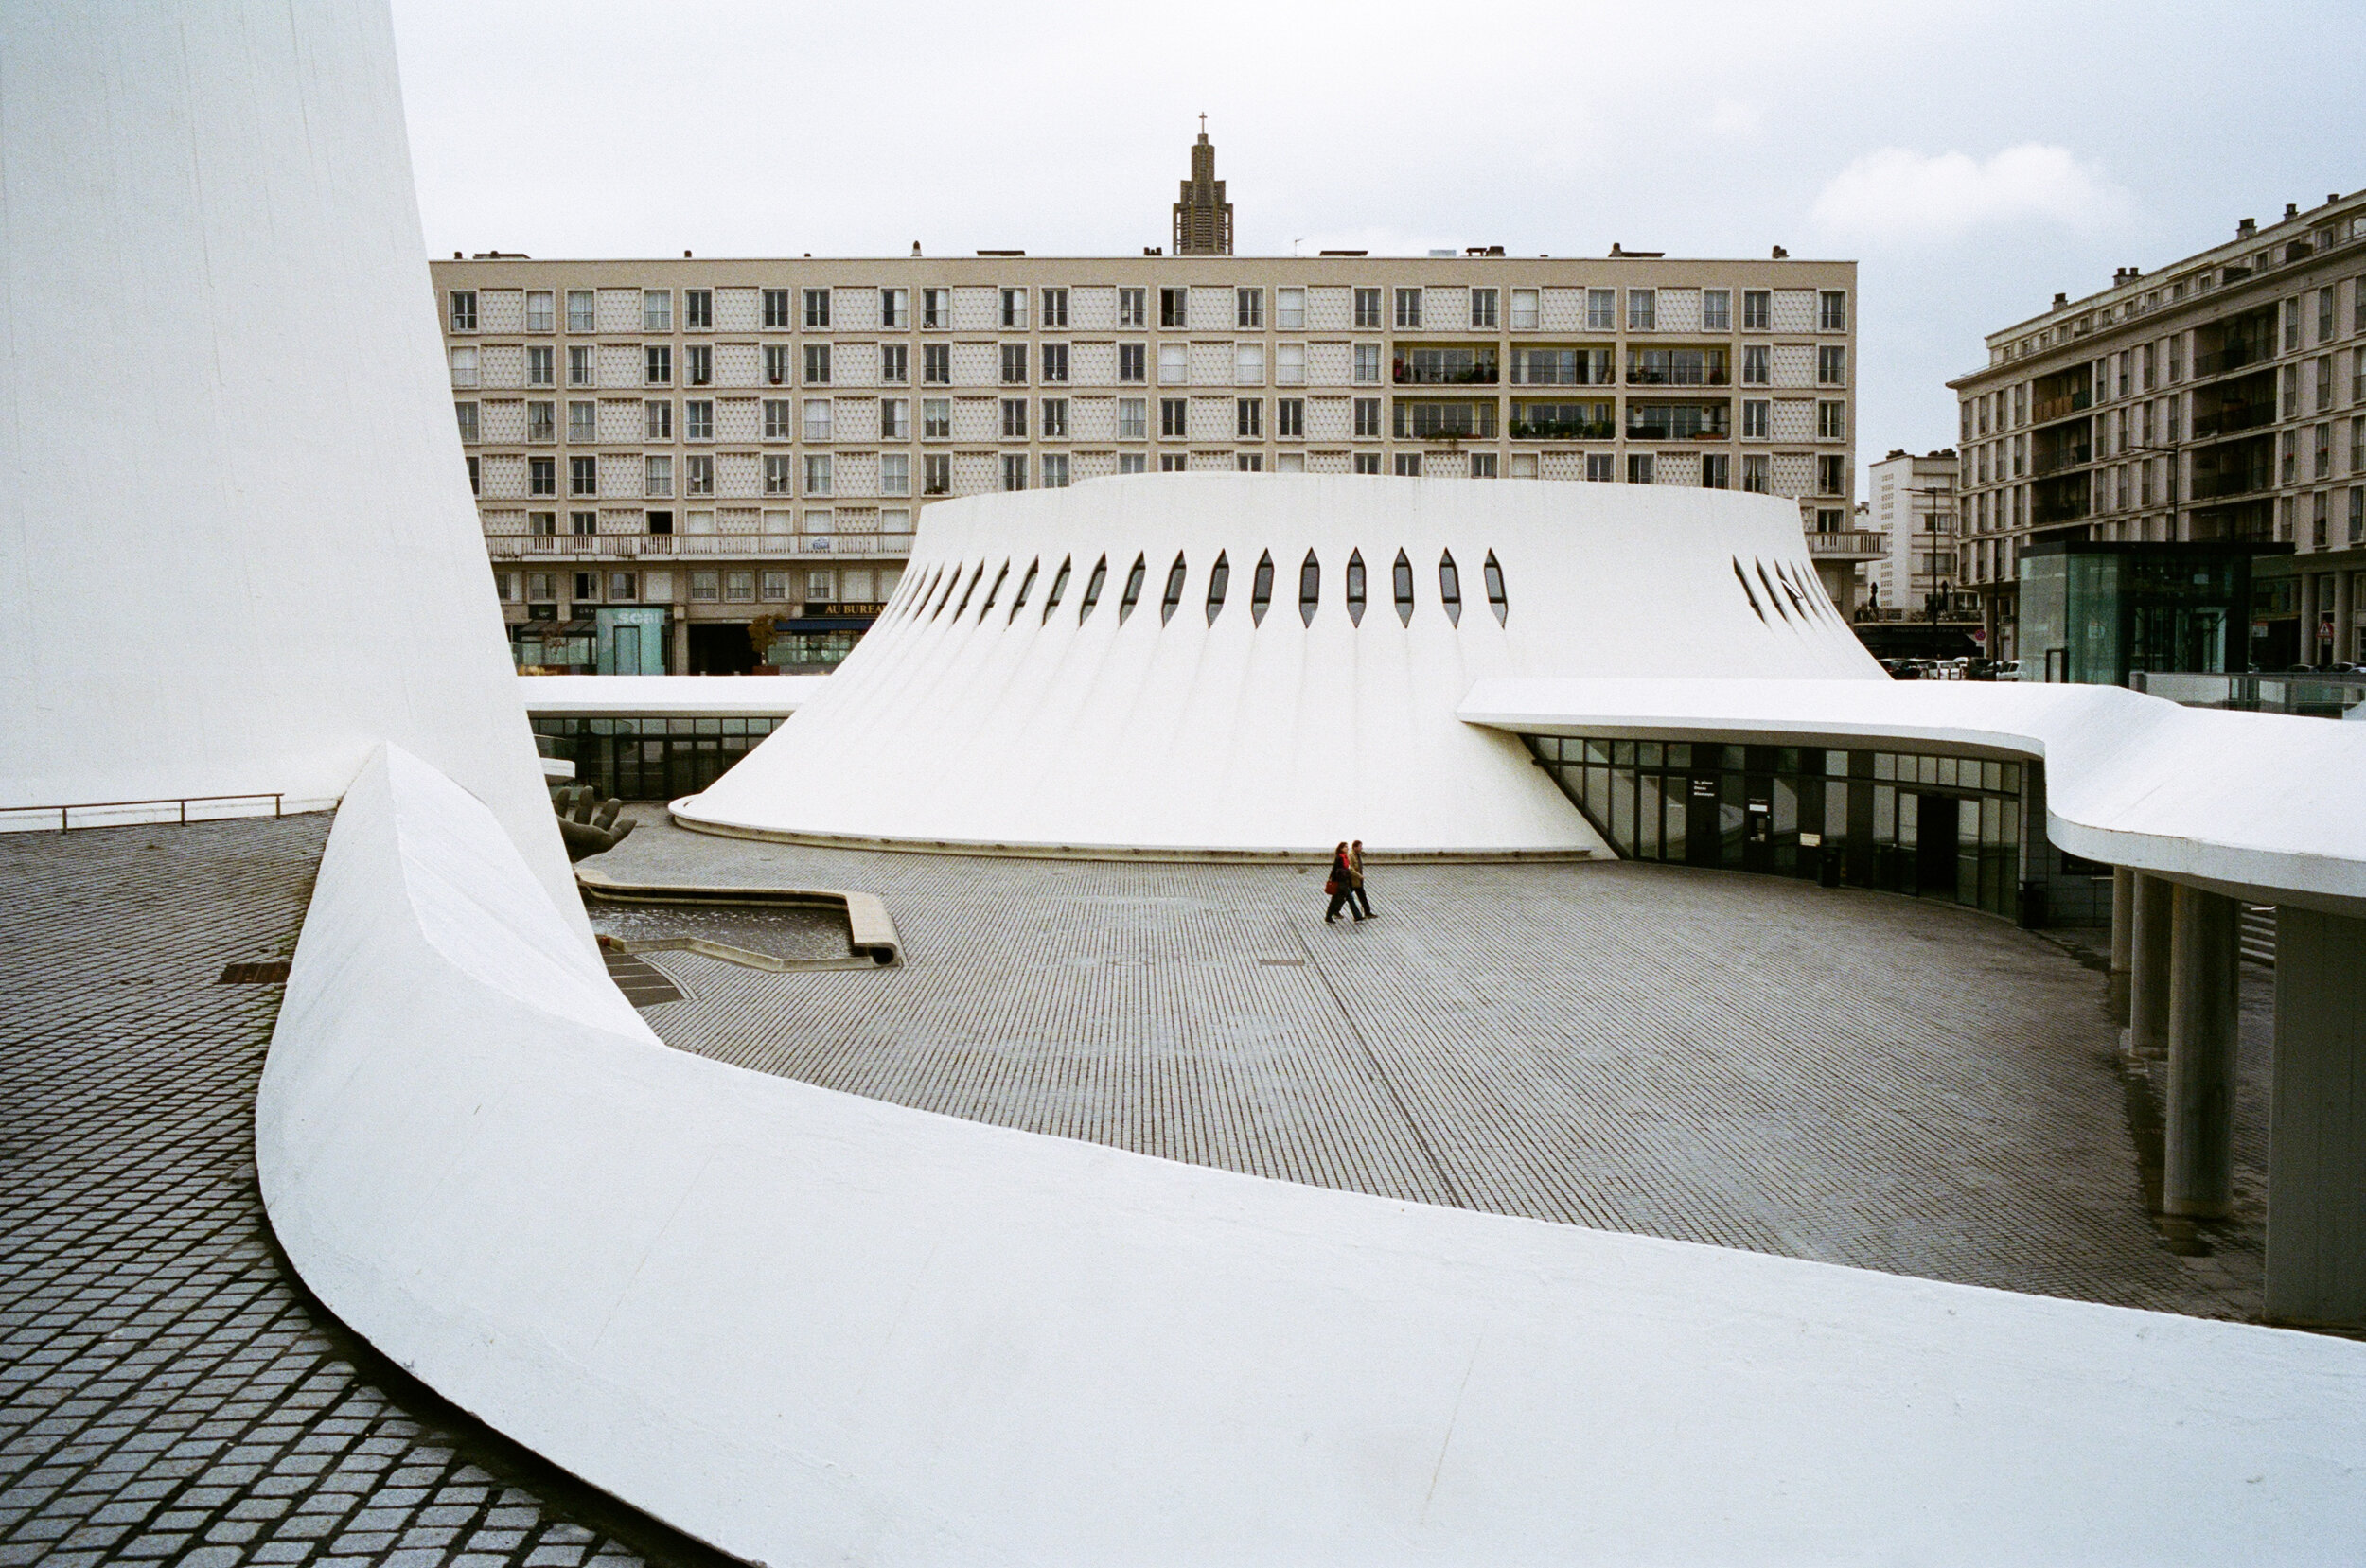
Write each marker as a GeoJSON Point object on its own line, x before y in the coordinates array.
{"type": "Point", "coordinates": [806, 1327]}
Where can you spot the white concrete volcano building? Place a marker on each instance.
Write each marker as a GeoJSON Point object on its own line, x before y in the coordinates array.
{"type": "Point", "coordinates": [1264, 665]}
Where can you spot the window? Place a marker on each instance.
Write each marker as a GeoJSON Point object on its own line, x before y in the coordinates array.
{"type": "Point", "coordinates": [698, 365]}
{"type": "Point", "coordinates": [657, 419]}
{"type": "Point", "coordinates": [1133, 419]}
{"type": "Point", "coordinates": [467, 422]}
{"type": "Point", "coordinates": [1408, 465]}
{"type": "Point", "coordinates": [1524, 315]}
{"type": "Point", "coordinates": [656, 477]}
{"type": "Point", "coordinates": [1366, 463]}
{"type": "Point", "coordinates": [1014, 310]}
{"type": "Point", "coordinates": [936, 474]}
{"type": "Point", "coordinates": [463, 309]}
{"type": "Point", "coordinates": [1249, 309]}
{"type": "Point", "coordinates": [581, 314]}
{"type": "Point", "coordinates": [1755, 418]}
{"type": "Point", "coordinates": [1248, 418]}
{"type": "Point", "coordinates": [817, 364]}
{"type": "Point", "coordinates": [583, 422]}
{"type": "Point", "coordinates": [896, 419]}
{"type": "Point", "coordinates": [819, 426]}
{"type": "Point", "coordinates": [1367, 417]}
{"type": "Point", "coordinates": [936, 419]}
{"type": "Point", "coordinates": [1831, 310]}
{"type": "Point", "coordinates": [895, 308]}
{"type": "Point", "coordinates": [936, 307]}
{"type": "Point", "coordinates": [587, 586]}
{"type": "Point", "coordinates": [705, 586]}
{"type": "Point", "coordinates": [1757, 365]}
{"type": "Point", "coordinates": [657, 364]}
{"type": "Point", "coordinates": [1483, 308]}
{"type": "Point", "coordinates": [1174, 418]}
{"type": "Point", "coordinates": [540, 371]}
{"type": "Point", "coordinates": [1368, 307]}
{"type": "Point", "coordinates": [1642, 310]}
{"type": "Point", "coordinates": [1014, 420]}
{"type": "Point", "coordinates": [817, 310]}
{"type": "Point", "coordinates": [776, 364]}
{"type": "Point", "coordinates": [1600, 467]}
{"type": "Point", "coordinates": [775, 586]}
{"type": "Point", "coordinates": [697, 475]}
{"type": "Point", "coordinates": [777, 425]}
{"type": "Point", "coordinates": [1831, 421]}
{"type": "Point", "coordinates": [1131, 463]}
{"type": "Point", "coordinates": [1482, 465]}
{"type": "Point", "coordinates": [1248, 364]}
{"type": "Point", "coordinates": [583, 476]}
{"type": "Point", "coordinates": [1131, 362]}
{"type": "Point", "coordinates": [1601, 310]}
{"type": "Point", "coordinates": [1054, 470]}
{"type": "Point", "coordinates": [1054, 426]}
{"type": "Point", "coordinates": [1014, 364]}
{"type": "Point", "coordinates": [817, 474]}
{"type": "Point", "coordinates": [895, 365]}
{"type": "Point", "coordinates": [1408, 307]}
{"type": "Point", "coordinates": [778, 476]}
{"type": "Point", "coordinates": [2324, 383]}
{"type": "Point", "coordinates": [1055, 362]}
{"type": "Point", "coordinates": [1289, 364]}
{"type": "Point", "coordinates": [1494, 574]}
{"type": "Point", "coordinates": [1174, 364]}
{"type": "Point", "coordinates": [1174, 306]}
{"type": "Point", "coordinates": [1831, 475]}
{"type": "Point", "coordinates": [463, 367]}
{"type": "Point", "coordinates": [698, 309]}
{"type": "Point", "coordinates": [776, 311]}
{"type": "Point", "coordinates": [657, 310]}
{"type": "Point", "coordinates": [1367, 364]}
{"type": "Point", "coordinates": [740, 587]}
{"type": "Point", "coordinates": [541, 421]}
{"type": "Point", "coordinates": [1130, 308]}
{"type": "Point", "coordinates": [1289, 418]}
{"type": "Point", "coordinates": [475, 476]}
{"type": "Point", "coordinates": [1639, 468]}
{"type": "Point", "coordinates": [1831, 365]}
{"type": "Point", "coordinates": [2291, 324]}
{"type": "Point", "coordinates": [540, 310]}
{"type": "Point", "coordinates": [583, 525]}
{"type": "Point", "coordinates": [1289, 309]}
{"type": "Point", "coordinates": [936, 364]}
{"type": "Point", "coordinates": [1754, 473]}
{"type": "Point", "coordinates": [896, 474]}
{"type": "Point", "coordinates": [1309, 589]}
{"type": "Point", "coordinates": [2323, 452]}
{"type": "Point", "coordinates": [1015, 470]}
{"type": "Point", "coordinates": [1173, 463]}
{"type": "Point", "coordinates": [1717, 313]}
{"type": "Point", "coordinates": [1716, 471]}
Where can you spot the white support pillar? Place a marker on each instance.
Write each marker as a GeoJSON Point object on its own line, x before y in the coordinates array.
{"type": "Point", "coordinates": [2122, 940]}
{"type": "Point", "coordinates": [2317, 1161]}
{"type": "Point", "coordinates": [2197, 1152]}
{"type": "Point", "coordinates": [2148, 967]}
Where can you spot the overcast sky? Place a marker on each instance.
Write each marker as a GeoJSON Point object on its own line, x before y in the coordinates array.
{"type": "Point", "coordinates": [1973, 158]}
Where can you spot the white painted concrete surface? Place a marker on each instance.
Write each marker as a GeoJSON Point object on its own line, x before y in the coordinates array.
{"type": "Point", "coordinates": [2263, 806]}
{"type": "Point", "coordinates": [966, 717]}
{"type": "Point", "coordinates": [226, 423]}
{"type": "Point", "coordinates": [667, 695]}
{"type": "Point", "coordinates": [812, 1328]}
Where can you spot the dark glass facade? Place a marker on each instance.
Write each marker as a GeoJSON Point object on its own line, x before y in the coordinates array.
{"type": "Point", "coordinates": [652, 759]}
{"type": "Point", "coordinates": [2092, 611]}
{"type": "Point", "coordinates": [1938, 826]}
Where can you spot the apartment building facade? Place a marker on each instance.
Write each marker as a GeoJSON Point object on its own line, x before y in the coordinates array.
{"type": "Point", "coordinates": [1911, 501]}
{"type": "Point", "coordinates": [690, 445]}
{"type": "Point", "coordinates": [2218, 399]}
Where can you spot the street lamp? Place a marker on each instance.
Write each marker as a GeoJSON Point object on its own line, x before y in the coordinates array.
{"type": "Point", "coordinates": [2171, 449]}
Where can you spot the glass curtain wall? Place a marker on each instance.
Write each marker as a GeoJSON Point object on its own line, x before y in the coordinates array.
{"type": "Point", "coordinates": [652, 759]}
{"type": "Point", "coordinates": [1937, 826]}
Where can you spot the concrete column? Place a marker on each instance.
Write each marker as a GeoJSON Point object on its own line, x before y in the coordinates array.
{"type": "Point", "coordinates": [2148, 967]}
{"type": "Point", "coordinates": [2307, 651]}
{"type": "Point", "coordinates": [2198, 1143]}
{"type": "Point", "coordinates": [2122, 939]}
{"type": "Point", "coordinates": [2317, 1161]}
{"type": "Point", "coordinates": [2344, 604]}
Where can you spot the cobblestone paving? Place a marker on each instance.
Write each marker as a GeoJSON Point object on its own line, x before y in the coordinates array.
{"type": "Point", "coordinates": [164, 1394]}
{"type": "Point", "coordinates": [1750, 1062]}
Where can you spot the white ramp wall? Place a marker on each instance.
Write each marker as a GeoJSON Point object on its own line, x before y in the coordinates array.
{"type": "Point", "coordinates": [236, 544]}
{"type": "Point", "coordinates": [811, 1327]}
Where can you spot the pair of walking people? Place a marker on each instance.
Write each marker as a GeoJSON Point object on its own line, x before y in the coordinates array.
{"type": "Point", "coordinates": [1345, 886]}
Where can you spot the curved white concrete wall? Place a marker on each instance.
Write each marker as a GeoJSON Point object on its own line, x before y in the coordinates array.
{"type": "Point", "coordinates": [811, 1327]}
{"type": "Point", "coordinates": [236, 544]}
{"type": "Point", "coordinates": [2261, 806]}
{"type": "Point", "coordinates": [967, 716]}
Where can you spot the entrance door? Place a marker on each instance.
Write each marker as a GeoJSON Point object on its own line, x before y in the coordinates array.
{"type": "Point", "coordinates": [627, 650]}
{"type": "Point", "coordinates": [1935, 849]}
{"type": "Point", "coordinates": [1703, 833]}
{"type": "Point", "coordinates": [1757, 830]}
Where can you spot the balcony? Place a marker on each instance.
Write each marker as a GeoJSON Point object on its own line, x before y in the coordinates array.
{"type": "Point", "coordinates": [1678, 367]}
{"type": "Point", "coordinates": [616, 547]}
{"type": "Point", "coordinates": [2047, 409]}
{"type": "Point", "coordinates": [2227, 418]}
{"type": "Point", "coordinates": [1446, 367]}
{"type": "Point", "coordinates": [1565, 430]}
{"type": "Point", "coordinates": [2232, 356]}
{"type": "Point", "coordinates": [2045, 462]}
{"type": "Point", "coordinates": [1852, 544]}
{"type": "Point", "coordinates": [2238, 481]}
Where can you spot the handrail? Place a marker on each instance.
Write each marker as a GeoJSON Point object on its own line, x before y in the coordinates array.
{"type": "Point", "coordinates": [65, 822]}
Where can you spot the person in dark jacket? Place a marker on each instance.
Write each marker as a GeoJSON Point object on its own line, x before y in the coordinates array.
{"type": "Point", "coordinates": [1356, 879]}
{"type": "Point", "coordinates": [1341, 886]}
